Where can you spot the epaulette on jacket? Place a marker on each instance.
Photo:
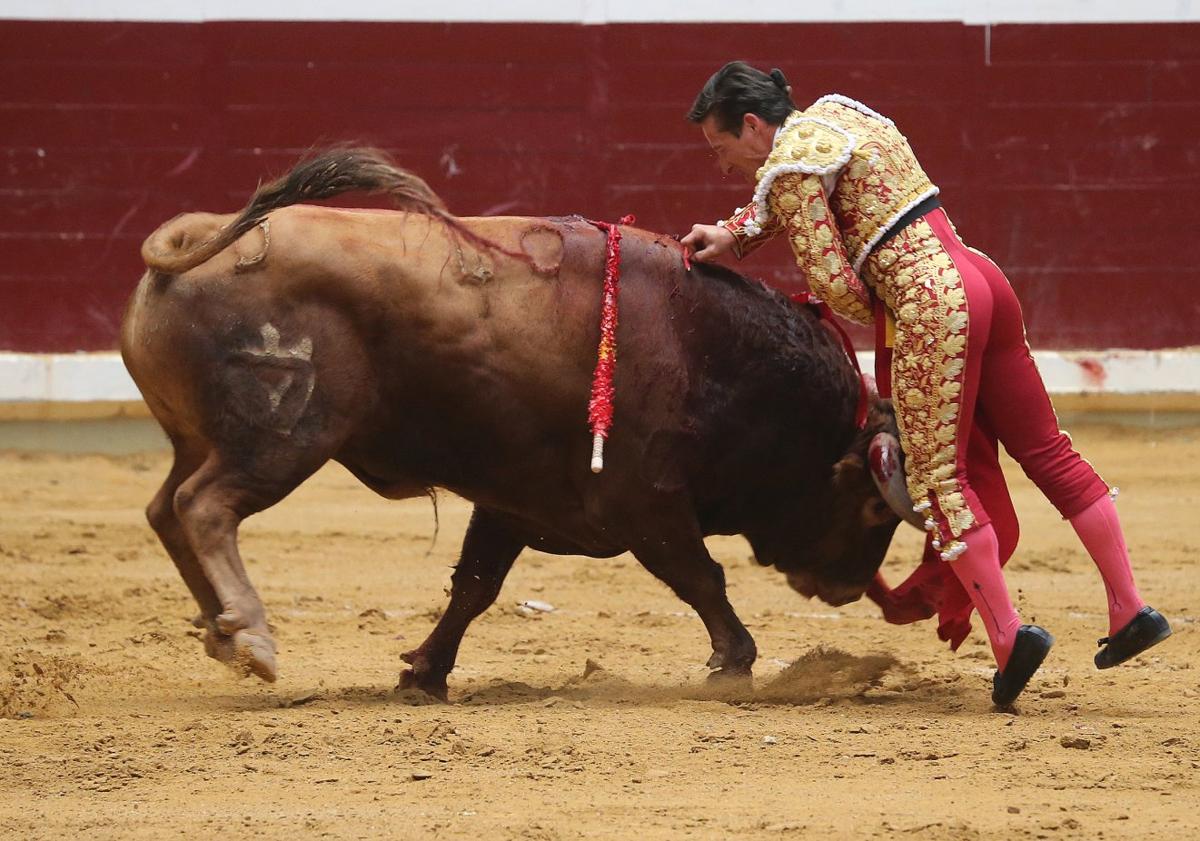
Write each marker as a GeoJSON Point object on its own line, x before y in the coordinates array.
{"type": "Point", "coordinates": [807, 145]}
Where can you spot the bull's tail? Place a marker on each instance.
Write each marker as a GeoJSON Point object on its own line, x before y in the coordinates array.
{"type": "Point", "coordinates": [322, 176]}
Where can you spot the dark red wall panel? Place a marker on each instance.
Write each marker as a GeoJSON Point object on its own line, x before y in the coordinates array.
{"type": "Point", "coordinates": [1069, 153]}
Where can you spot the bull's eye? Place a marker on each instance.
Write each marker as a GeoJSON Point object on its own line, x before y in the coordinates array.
{"type": "Point", "coordinates": [876, 512]}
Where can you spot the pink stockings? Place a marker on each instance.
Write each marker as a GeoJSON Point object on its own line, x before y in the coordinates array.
{"type": "Point", "coordinates": [978, 569]}
{"type": "Point", "coordinates": [1100, 530]}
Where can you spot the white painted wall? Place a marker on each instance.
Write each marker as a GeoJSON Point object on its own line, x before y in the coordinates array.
{"type": "Point", "coordinates": [613, 11]}
{"type": "Point", "coordinates": [90, 377]}
{"type": "Point", "coordinates": [64, 378]}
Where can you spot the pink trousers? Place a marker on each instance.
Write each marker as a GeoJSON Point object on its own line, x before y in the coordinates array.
{"type": "Point", "coordinates": [1001, 399]}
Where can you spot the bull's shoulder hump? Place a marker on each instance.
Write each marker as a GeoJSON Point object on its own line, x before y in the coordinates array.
{"type": "Point", "coordinates": [503, 224]}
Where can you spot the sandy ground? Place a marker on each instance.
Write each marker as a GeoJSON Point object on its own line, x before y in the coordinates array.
{"type": "Point", "coordinates": [591, 721]}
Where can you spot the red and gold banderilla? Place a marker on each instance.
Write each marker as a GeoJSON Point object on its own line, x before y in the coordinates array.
{"type": "Point", "coordinates": [600, 406]}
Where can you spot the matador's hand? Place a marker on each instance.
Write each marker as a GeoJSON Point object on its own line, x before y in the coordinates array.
{"type": "Point", "coordinates": [708, 242]}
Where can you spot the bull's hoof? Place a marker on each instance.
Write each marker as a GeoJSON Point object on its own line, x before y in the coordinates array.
{"type": "Point", "coordinates": [737, 659]}
{"type": "Point", "coordinates": [732, 669]}
{"type": "Point", "coordinates": [716, 661]}
{"type": "Point", "coordinates": [732, 676]}
{"type": "Point", "coordinates": [254, 654]}
{"type": "Point", "coordinates": [417, 689]}
{"type": "Point", "coordinates": [246, 652]}
{"type": "Point", "coordinates": [238, 618]}
{"type": "Point", "coordinates": [217, 645]}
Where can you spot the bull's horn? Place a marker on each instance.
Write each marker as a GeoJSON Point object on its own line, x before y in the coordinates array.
{"type": "Point", "coordinates": [869, 382]}
{"type": "Point", "coordinates": [884, 455]}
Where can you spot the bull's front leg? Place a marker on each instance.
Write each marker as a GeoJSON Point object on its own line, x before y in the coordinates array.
{"type": "Point", "coordinates": [683, 563]}
{"type": "Point", "coordinates": [488, 552]}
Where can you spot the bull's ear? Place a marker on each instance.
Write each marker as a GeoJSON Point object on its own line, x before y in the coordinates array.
{"type": "Point", "coordinates": [848, 471]}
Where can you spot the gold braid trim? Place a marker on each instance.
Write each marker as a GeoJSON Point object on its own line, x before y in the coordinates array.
{"type": "Point", "coordinates": [917, 279]}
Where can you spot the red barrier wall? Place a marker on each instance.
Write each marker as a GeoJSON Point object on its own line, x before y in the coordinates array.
{"type": "Point", "coordinates": [1067, 152]}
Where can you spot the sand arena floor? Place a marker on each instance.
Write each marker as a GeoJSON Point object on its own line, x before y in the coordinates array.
{"type": "Point", "coordinates": [592, 721]}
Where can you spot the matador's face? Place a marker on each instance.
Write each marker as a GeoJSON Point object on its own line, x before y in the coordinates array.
{"type": "Point", "coordinates": [742, 153]}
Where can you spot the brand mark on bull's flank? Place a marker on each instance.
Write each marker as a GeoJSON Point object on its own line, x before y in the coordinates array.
{"type": "Point", "coordinates": [301, 350]}
{"type": "Point", "coordinates": [285, 372]}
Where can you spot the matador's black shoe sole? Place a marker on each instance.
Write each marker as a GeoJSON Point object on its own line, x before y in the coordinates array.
{"type": "Point", "coordinates": [1147, 628]}
{"type": "Point", "coordinates": [1030, 649]}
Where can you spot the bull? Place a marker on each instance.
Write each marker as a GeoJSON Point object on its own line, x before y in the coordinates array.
{"type": "Point", "coordinates": [421, 350]}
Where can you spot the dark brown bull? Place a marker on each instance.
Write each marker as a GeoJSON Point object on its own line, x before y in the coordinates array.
{"type": "Point", "coordinates": [421, 350]}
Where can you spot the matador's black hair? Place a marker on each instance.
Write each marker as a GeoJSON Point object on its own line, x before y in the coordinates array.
{"type": "Point", "coordinates": [738, 89]}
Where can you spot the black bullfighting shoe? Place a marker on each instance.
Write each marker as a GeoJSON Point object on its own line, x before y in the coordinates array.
{"type": "Point", "coordinates": [1030, 649]}
{"type": "Point", "coordinates": [1148, 627]}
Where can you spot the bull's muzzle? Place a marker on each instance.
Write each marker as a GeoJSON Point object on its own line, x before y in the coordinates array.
{"type": "Point", "coordinates": [884, 458]}
{"type": "Point", "coordinates": [835, 594]}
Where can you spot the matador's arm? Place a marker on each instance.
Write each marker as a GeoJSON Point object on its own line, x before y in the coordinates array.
{"type": "Point", "coordinates": [799, 202]}
{"type": "Point", "coordinates": [748, 234]}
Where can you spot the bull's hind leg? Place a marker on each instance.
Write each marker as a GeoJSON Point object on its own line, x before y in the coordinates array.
{"type": "Point", "coordinates": [683, 563]}
{"type": "Point", "coordinates": [210, 505]}
{"type": "Point", "coordinates": [488, 552]}
{"type": "Point", "coordinates": [161, 515]}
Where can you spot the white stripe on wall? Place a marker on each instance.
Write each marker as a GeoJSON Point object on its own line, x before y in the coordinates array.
{"type": "Point", "coordinates": [91, 377]}
{"type": "Point", "coordinates": [614, 11]}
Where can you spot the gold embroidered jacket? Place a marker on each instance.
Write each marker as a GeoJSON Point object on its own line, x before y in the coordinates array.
{"type": "Point", "coordinates": [838, 177]}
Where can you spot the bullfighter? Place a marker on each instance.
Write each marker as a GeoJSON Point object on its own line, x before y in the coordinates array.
{"type": "Point", "coordinates": [869, 233]}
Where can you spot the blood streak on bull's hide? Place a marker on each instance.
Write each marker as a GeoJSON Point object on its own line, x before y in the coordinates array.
{"type": "Point", "coordinates": [283, 373]}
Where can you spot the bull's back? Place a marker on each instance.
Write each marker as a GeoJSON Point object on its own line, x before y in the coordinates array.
{"type": "Point", "coordinates": [405, 331]}
{"type": "Point", "coordinates": [381, 318]}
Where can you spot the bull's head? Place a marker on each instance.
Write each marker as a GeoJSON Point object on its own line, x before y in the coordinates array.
{"type": "Point", "coordinates": [844, 530]}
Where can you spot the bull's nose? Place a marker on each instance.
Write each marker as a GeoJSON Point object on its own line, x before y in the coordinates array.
{"type": "Point", "coordinates": [839, 597]}
{"type": "Point", "coordinates": [832, 594]}
{"type": "Point", "coordinates": [802, 584]}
